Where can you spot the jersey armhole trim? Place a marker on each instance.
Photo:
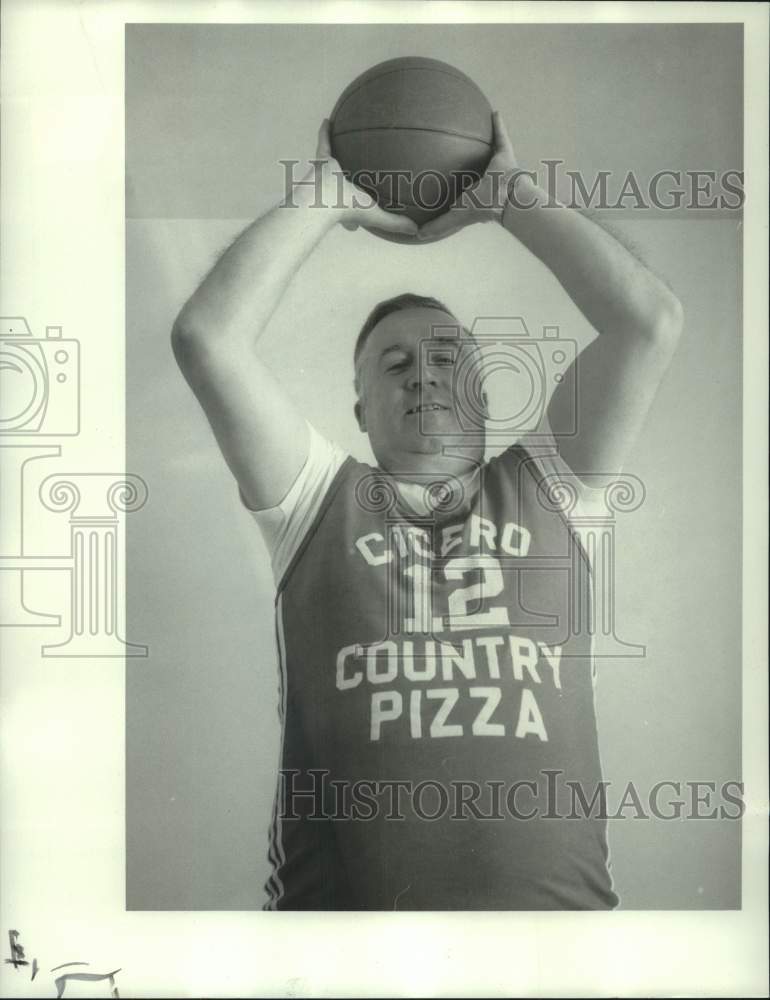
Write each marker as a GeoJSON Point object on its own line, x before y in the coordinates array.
{"type": "Point", "coordinates": [578, 543]}
{"type": "Point", "coordinates": [528, 460]}
{"type": "Point", "coordinates": [321, 513]}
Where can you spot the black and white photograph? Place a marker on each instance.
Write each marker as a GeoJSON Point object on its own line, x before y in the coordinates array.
{"type": "Point", "coordinates": [477, 449]}
{"type": "Point", "coordinates": [384, 486]}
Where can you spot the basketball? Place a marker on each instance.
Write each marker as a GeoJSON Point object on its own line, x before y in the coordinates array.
{"type": "Point", "coordinates": [414, 133]}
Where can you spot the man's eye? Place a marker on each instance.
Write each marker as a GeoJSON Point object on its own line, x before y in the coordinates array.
{"type": "Point", "coordinates": [443, 358]}
{"type": "Point", "coordinates": [397, 366]}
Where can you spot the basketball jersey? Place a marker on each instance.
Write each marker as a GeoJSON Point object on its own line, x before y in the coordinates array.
{"type": "Point", "coordinates": [437, 708]}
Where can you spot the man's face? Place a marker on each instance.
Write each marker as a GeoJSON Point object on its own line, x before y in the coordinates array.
{"type": "Point", "coordinates": [407, 385]}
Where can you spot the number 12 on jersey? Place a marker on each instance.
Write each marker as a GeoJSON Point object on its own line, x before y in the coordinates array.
{"type": "Point", "coordinates": [418, 578]}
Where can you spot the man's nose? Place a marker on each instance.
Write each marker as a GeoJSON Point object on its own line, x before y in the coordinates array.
{"type": "Point", "coordinates": [417, 379]}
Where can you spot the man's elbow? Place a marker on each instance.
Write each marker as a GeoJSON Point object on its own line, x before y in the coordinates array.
{"type": "Point", "coordinates": [193, 332]}
{"type": "Point", "coordinates": [183, 339]}
{"type": "Point", "coordinates": [190, 344]}
{"type": "Point", "coordinates": [666, 322]}
{"type": "Point", "coordinates": [187, 326]}
{"type": "Point", "coordinates": [203, 353]}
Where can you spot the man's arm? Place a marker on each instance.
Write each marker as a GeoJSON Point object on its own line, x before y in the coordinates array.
{"type": "Point", "coordinates": [262, 436]}
{"type": "Point", "coordinates": [637, 317]}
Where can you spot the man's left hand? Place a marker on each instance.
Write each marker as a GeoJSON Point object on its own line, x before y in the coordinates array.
{"type": "Point", "coordinates": [485, 201]}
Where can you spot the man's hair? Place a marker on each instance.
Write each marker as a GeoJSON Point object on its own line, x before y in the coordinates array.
{"type": "Point", "coordinates": [407, 300]}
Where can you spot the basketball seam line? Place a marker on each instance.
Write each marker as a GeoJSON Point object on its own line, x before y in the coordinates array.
{"type": "Point", "coordinates": [457, 75]}
{"type": "Point", "coordinates": [413, 128]}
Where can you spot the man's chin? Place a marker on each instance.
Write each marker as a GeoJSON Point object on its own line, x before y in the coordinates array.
{"type": "Point", "coordinates": [431, 445]}
{"type": "Point", "coordinates": [432, 453]}
{"type": "Point", "coordinates": [428, 445]}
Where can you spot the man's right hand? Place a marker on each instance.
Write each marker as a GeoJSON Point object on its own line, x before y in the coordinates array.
{"type": "Point", "coordinates": [354, 206]}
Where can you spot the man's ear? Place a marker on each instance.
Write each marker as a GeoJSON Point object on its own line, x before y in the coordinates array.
{"type": "Point", "coordinates": [359, 412]}
{"type": "Point", "coordinates": [485, 403]}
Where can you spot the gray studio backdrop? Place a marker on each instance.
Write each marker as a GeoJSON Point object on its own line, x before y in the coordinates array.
{"type": "Point", "coordinates": [210, 110]}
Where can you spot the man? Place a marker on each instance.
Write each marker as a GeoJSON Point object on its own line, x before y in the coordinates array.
{"type": "Point", "coordinates": [434, 685]}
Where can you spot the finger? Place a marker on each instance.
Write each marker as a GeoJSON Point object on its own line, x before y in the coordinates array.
{"type": "Point", "coordinates": [324, 146]}
{"type": "Point", "coordinates": [350, 226]}
{"type": "Point", "coordinates": [378, 218]}
{"type": "Point", "coordinates": [443, 225]}
{"type": "Point", "coordinates": [362, 198]}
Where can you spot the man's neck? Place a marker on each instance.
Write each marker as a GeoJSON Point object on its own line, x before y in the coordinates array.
{"type": "Point", "coordinates": [438, 489]}
{"type": "Point", "coordinates": [436, 468]}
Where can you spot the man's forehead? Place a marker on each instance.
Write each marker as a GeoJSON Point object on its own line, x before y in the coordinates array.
{"type": "Point", "coordinates": [408, 327]}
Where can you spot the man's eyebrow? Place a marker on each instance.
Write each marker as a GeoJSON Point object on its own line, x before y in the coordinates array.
{"type": "Point", "coordinates": [438, 338]}
{"type": "Point", "coordinates": [391, 347]}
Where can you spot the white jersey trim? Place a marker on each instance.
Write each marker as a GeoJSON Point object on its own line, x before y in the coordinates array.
{"type": "Point", "coordinates": [285, 525]}
{"type": "Point", "coordinates": [275, 850]}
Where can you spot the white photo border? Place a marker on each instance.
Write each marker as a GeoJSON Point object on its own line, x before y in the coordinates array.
{"type": "Point", "coordinates": [63, 728]}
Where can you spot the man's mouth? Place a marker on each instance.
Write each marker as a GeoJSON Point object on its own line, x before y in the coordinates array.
{"type": "Point", "coordinates": [426, 408]}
